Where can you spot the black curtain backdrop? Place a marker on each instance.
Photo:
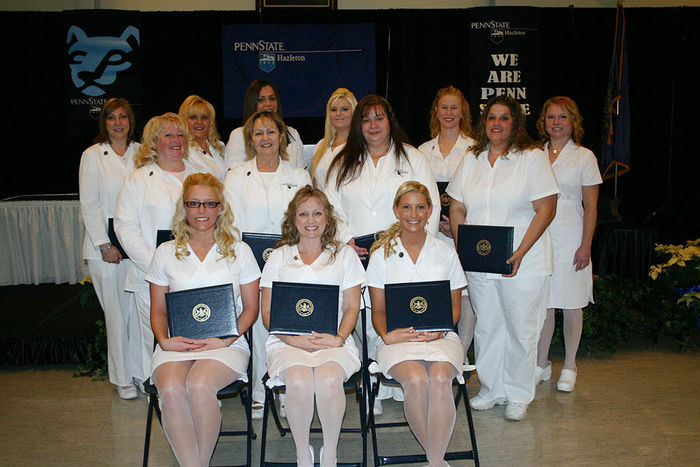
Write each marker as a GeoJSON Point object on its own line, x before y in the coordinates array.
{"type": "Point", "coordinates": [418, 51]}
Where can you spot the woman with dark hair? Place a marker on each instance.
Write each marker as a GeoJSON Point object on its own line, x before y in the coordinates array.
{"type": "Point", "coordinates": [188, 373]}
{"type": "Point", "coordinates": [363, 178]}
{"type": "Point", "coordinates": [450, 128]}
{"type": "Point", "coordinates": [261, 95]}
{"type": "Point", "coordinates": [206, 152]}
{"type": "Point", "coordinates": [339, 109]}
{"type": "Point", "coordinates": [507, 181]}
{"type": "Point", "coordinates": [145, 205]}
{"type": "Point", "coordinates": [424, 362]}
{"type": "Point", "coordinates": [314, 366]}
{"type": "Point", "coordinates": [259, 191]}
{"type": "Point", "coordinates": [103, 168]}
{"type": "Point", "coordinates": [576, 169]}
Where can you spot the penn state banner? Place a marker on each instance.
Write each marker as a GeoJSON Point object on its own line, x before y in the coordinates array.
{"type": "Point", "coordinates": [102, 60]}
{"type": "Point", "coordinates": [504, 55]}
{"type": "Point", "coordinates": [305, 62]}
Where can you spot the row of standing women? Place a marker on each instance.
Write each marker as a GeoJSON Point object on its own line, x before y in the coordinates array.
{"type": "Point", "coordinates": [506, 181]}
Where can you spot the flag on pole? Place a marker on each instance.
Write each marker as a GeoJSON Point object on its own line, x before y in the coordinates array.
{"type": "Point", "coordinates": [616, 148]}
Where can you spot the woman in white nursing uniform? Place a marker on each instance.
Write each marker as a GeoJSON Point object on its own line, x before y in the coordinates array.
{"type": "Point", "coordinates": [146, 204]}
{"type": "Point", "coordinates": [363, 179]}
{"type": "Point", "coordinates": [425, 363]}
{"type": "Point", "coordinates": [314, 366]}
{"type": "Point", "coordinates": [206, 152]}
{"type": "Point", "coordinates": [507, 181]}
{"type": "Point", "coordinates": [339, 110]}
{"type": "Point", "coordinates": [261, 95]}
{"type": "Point", "coordinates": [259, 192]}
{"type": "Point", "coordinates": [103, 168]}
{"type": "Point", "coordinates": [450, 128]}
{"type": "Point", "coordinates": [576, 169]}
{"type": "Point", "coordinates": [188, 372]}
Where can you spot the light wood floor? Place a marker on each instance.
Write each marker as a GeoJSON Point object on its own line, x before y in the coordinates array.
{"type": "Point", "coordinates": [637, 407]}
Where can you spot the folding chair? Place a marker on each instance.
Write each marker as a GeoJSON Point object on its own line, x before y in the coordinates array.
{"type": "Point", "coordinates": [239, 388]}
{"type": "Point", "coordinates": [411, 458]}
{"type": "Point", "coordinates": [355, 383]}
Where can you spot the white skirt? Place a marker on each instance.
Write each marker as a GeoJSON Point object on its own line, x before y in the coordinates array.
{"type": "Point", "coordinates": [235, 356]}
{"type": "Point", "coordinates": [447, 349]}
{"type": "Point", "coordinates": [281, 356]}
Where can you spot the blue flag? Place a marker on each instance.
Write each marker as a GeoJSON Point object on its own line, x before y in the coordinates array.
{"type": "Point", "coordinates": [616, 148]}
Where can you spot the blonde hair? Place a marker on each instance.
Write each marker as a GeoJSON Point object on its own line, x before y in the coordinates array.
{"type": "Point", "coordinates": [225, 232]}
{"type": "Point", "coordinates": [248, 133]}
{"type": "Point", "coordinates": [290, 234]}
{"type": "Point", "coordinates": [465, 122]}
{"type": "Point", "coordinates": [194, 103]}
{"type": "Point", "coordinates": [572, 113]}
{"type": "Point", "coordinates": [151, 132]}
{"type": "Point", "coordinates": [329, 132]}
{"type": "Point", "coordinates": [387, 238]}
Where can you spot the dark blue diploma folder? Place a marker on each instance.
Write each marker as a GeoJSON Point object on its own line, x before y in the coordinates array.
{"type": "Point", "coordinates": [444, 199]}
{"type": "Point", "coordinates": [163, 236]}
{"type": "Point", "coordinates": [203, 312]}
{"type": "Point", "coordinates": [365, 241]}
{"type": "Point", "coordinates": [261, 244]}
{"type": "Point", "coordinates": [298, 308]}
{"type": "Point", "coordinates": [113, 238]}
{"type": "Point", "coordinates": [427, 306]}
{"type": "Point", "coordinates": [485, 248]}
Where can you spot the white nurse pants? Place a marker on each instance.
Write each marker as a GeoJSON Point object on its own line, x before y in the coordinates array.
{"type": "Point", "coordinates": [143, 308]}
{"type": "Point", "coordinates": [509, 317]}
{"type": "Point", "coordinates": [120, 319]}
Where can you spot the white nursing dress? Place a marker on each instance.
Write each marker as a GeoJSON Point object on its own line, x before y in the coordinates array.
{"type": "Point", "coordinates": [191, 273]}
{"type": "Point", "coordinates": [285, 264]}
{"type": "Point", "coordinates": [574, 168]}
{"type": "Point", "coordinates": [436, 261]}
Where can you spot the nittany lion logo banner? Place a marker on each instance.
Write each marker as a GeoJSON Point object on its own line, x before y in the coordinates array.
{"type": "Point", "coordinates": [306, 62]}
{"type": "Point", "coordinates": [103, 60]}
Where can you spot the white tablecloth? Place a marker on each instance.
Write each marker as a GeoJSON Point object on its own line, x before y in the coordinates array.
{"type": "Point", "coordinates": [41, 242]}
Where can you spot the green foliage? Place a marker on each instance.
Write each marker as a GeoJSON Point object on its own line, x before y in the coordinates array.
{"type": "Point", "coordinates": [667, 305]}
{"type": "Point", "coordinates": [96, 358]}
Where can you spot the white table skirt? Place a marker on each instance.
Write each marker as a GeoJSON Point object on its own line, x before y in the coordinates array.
{"type": "Point", "coordinates": [41, 242]}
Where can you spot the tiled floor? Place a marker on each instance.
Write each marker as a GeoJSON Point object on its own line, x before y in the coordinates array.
{"type": "Point", "coordinates": [637, 407]}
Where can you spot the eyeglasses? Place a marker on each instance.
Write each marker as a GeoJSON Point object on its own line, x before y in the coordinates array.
{"type": "Point", "coordinates": [206, 204]}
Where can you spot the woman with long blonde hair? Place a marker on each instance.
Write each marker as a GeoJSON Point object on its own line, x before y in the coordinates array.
{"type": "Point", "coordinates": [188, 372]}
{"type": "Point", "coordinates": [206, 152]}
{"type": "Point", "coordinates": [425, 363]}
{"type": "Point", "coordinates": [339, 109]}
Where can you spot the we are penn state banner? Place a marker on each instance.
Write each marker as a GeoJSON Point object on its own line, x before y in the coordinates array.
{"type": "Point", "coordinates": [306, 63]}
{"type": "Point", "coordinates": [102, 60]}
{"type": "Point", "coordinates": [504, 56]}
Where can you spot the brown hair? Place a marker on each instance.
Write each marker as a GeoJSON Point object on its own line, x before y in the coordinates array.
{"type": "Point", "coordinates": [290, 234]}
{"type": "Point", "coordinates": [108, 107]}
{"type": "Point", "coordinates": [248, 133]}
{"type": "Point", "coordinates": [519, 139]}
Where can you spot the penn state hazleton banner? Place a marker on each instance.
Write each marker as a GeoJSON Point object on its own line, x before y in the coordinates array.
{"type": "Point", "coordinates": [504, 56]}
{"type": "Point", "coordinates": [102, 60]}
{"type": "Point", "coordinates": [305, 62]}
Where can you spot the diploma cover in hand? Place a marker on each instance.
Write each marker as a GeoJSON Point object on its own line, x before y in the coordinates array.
{"type": "Point", "coordinates": [113, 238]}
{"type": "Point", "coordinates": [261, 244]}
{"type": "Point", "coordinates": [427, 306]}
{"type": "Point", "coordinates": [203, 312]}
{"type": "Point", "coordinates": [365, 241]}
{"type": "Point", "coordinates": [298, 308]}
{"type": "Point", "coordinates": [163, 236]}
{"type": "Point", "coordinates": [485, 248]}
{"type": "Point", "coordinates": [444, 199]}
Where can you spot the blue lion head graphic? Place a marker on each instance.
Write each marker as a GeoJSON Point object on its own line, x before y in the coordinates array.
{"type": "Point", "coordinates": [95, 61]}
